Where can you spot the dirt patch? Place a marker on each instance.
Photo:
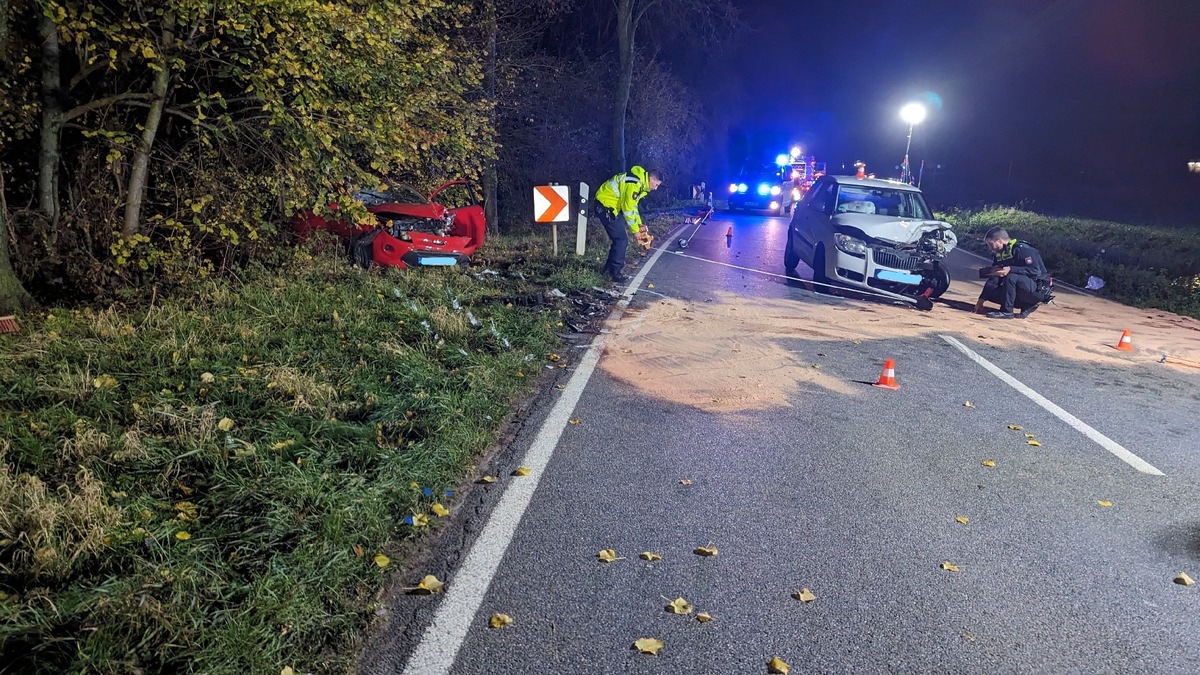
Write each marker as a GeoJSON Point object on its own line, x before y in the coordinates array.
{"type": "Point", "coordinates": [728, 355]}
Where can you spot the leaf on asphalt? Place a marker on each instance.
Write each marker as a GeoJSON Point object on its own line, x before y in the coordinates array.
{"type": "Point", "coordinates": [608, 555]}
{"type": "Point", "coordinates": [382, 560]}
{"type": "Point", "coordinates": [685, 481]}
{"type": "Point", "coordinates": [1183, 579]}
{"type": "Point", "coordinates": [487, 479]}
{"type": "Point", "coordinates": [962, 520]}
{"type": "Point", "coordinates": [778, 666]}
{"type": "Point", "coordinates": [988, 462]}
{"type": "Point", "coordinates": [948, 566]}
{"type": "Point", "coordinates": [428, 586]}
{"type": "Point", "coordinates": [358, 551]}
{"type": "Point", "coordinates": [1015, 427]}
{"type": "Point", "coordinates": [1029, 435]}
{"type": "Point", "coordinates": [521, 471]}
{"type": "Point", "coordinates": [816, 365]}
{"type": "Point", "coordinates": [499, 620]}
{"type": "Point", "coordinates": [560, 386]}
{"type": "Point", "coordinates": [703, 617]}
{"type": "Point", "coordinates": [440, 510]}
{"type": "Point", "coordinates": [968, 637]}
{"type": "Point", "coordinates": [1104, 502]}
{"type": "Point", "coordinates": [575, 420]}
{"type": "Point", "coordinates": [225, 424]}
{"type": "Point", "coordinates": [652, 557]}
{"type": "Point", "coordinates": [706, 551]}
{"type": "Point", "coordinates": [804, 595]}
{"type": "Point", "coordinates": [626, 351]}
{"type": "Point", "coordinates": [968, 404]}
{"type": "Point", "coordinates": [183, 535]}
{"type": "Point", "coordinates": [649, 285]}
{"type": "Point", "coordinates": [648, 645]}
{"type": "Point", "coordinates": [554, 357]}
{"type": "Point", "coordinates": [1033, 443]}
{"type": "Point", "coordinates": [679, 606]}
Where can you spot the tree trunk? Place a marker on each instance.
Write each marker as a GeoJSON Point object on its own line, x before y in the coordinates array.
{"type": "Point", "coordinates": [13, 296]}
{"type": "Point", "coordinates": [141, 158]}
{"type": "Point", "coordinates": [625, 34]}
{"type": "Point", "coordinates": [52, 101]}
{"type": "Point", "coordinates": [491, 210]}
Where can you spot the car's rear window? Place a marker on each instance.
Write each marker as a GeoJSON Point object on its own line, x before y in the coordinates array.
{"type": "Point", "coordinates": [881, 201]}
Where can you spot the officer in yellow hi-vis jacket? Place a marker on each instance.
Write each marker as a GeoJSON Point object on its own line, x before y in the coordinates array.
{"type": "Point", "coordinates": [619, 196]}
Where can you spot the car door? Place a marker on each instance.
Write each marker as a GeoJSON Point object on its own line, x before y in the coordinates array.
{"type": "Point", "coordinates": [808, 220]}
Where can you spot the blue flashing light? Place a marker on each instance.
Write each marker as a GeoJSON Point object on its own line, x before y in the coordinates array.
{"type": "Point", "coordinates": [782, 160]}
{"type": "Point", "coordinates": [763, 189]}
{"type": "Point", "coordinates": [741, 187]}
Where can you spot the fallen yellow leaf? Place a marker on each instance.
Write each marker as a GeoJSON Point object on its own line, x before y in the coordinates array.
{"type": "Point", "coordinates": [183, 535]}
{"type": "Point", "coordinates": [439, 510]}
{"type": "Point", "coordinates": [487, 479]}
{"type": "Point", "coordinates": [686, 481]}
{"type": "Point", "coordinates": [1183, 579]}
{"type": "Point", "coordinates": [647, 555]}
{"type": "Point", "coordinates": [778, 666]}
{"type": "Point", "coordinates": [382, 560]}
{"type": "Point", "coordinates": [429, 585]}
{"type": "Point", "coordinates": [554, 357]}
{"type": "Point", "coordinates": [968, 637]}
{"type": "Point", "coordinates": [962, 520]}
{"type": "Point", "coordinates": [1029, 435]}
{"type": "Point", "coordinates": [574, 420]}
{"type": "Point", "coordinates": [420, 520]}
{"type": "Point", "coordinates": [1015, 427]}
{"type": "Point", "coordinates": [648, 645]}
{"type": "Point", "coordinates": [225, 424]}
{"type": "Point", "coordinates": [804, 595]}
{"type": "Point", "coordinates": [679, 606]}
{"type": "Point", "coordinates": [500, 620]}
{"type": "Point", "coordinates": [105, 382]}
{"type": "Point", "coordinates": [1033, 442]}
{"type": "Point", "coordinates": [1104, 502]}
{"type": "Point", "coordinates": [649, 285]}
{"type": "Point", "coordinates": [703, 617]}
{"type": "Point", "coordinates": [560, 386]}
{"type": "Point", "coordinates": [608, 555]}
{"type": "Point", "coordinates": [287, 670]}
{"type": "Point", "coordinates": [948, 566]}
{"type": "Point", "coordinates": [207, 378]}
{"type": "Point", "coordinates": [816, 365]}
{"type": "Point", "coordinates": [968, 404]}
{"type": "Point", "coordinates": [521, 471]}
{"type": "Point", "coordinates": [988, 462]}
{"type": "Point", "coordinates": [706, 551]}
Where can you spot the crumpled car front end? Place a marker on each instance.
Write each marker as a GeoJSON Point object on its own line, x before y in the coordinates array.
{"type": "Point", "coordinates": [894, 255]}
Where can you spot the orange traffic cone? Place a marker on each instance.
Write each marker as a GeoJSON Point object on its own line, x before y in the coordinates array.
{"type": "Point", "coordinates": [1126, 343]}
{"type": "Point", "coordinates": [729, 232]}
{"type": "Point", "coordinates": [887, 379]}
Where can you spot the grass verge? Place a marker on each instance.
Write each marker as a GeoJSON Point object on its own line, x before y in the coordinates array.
{"type": "Point", "coordinates": [1141, 265]}
{"type": "Point", "coordinates": [214, 483]}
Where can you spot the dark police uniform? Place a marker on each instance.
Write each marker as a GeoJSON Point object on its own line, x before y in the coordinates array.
{"type": "Point", "coordinates": [1027, 284]}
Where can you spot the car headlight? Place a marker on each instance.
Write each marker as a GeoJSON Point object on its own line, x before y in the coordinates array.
{"type": "Point", "coordinates": [848, 244]}
{"type": "Point", "coordinates": [774, 205]}
{"type": "Point", "coordinates": [775, 190]}
{"type": "Point", "coordinates": [732, 188]}
{"type": "Point", "coordinates": [763, 189]}
{"type": "Point", "coordinates": [741, 187]}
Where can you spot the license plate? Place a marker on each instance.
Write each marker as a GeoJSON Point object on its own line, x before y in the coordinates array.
{"type": "Point", "coordinates": [898, 277]}
{"type": "Point", "coordinates": [437, 260]}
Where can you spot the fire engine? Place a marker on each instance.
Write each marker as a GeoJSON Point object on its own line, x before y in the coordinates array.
{"type": "Point", "coordinates": [799, 172]}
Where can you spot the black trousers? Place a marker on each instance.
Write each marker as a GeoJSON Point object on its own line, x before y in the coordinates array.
{"type": "Point", "coordinates": [618, 234]}
{"type": "Point", "coordinates": [1014, 291]}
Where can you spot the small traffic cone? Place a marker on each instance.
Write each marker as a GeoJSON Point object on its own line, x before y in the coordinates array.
{"type": "Point", "coordinates": [729, 232]}
{"type": "Point", "coordinates": [887, 379]}
{"type": "Point", "coordinates": [1126, 343]}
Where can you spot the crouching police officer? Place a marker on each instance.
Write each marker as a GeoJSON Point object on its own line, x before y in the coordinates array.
{"type": "Point", "coordinates": [1017, 278]}
{"type": "Point", "coordinates": [619, 196]}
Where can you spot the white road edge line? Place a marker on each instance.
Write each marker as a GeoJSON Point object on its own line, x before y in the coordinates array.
{"type": "Point", "coordinates": [1076, 423]}
{"type": "Point", "coordinates": [465, 590]}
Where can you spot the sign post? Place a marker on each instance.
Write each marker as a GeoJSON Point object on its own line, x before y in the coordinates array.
{"type": "Point", "coordinates": [550, 206]}
{"type": "Point", "coordinates": [581, 223]}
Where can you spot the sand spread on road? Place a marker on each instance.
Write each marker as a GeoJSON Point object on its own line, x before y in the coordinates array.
{"type": "Point", "coordinates": [729, 354]}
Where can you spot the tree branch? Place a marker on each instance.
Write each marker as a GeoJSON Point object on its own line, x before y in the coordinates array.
{"type": "Point", "coordinates": [103, 102]}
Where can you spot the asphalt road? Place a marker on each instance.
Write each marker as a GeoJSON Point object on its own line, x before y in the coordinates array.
{"type": "Point", "coordinates": [854, 497]}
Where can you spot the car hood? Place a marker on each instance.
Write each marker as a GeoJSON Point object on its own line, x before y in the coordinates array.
{"type": "Point", "coordinates": [891, 229]}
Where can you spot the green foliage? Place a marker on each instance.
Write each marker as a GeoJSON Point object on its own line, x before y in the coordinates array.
{"type": "Point", "coordinates": [1141, 265]}
{"type": "Point", "coordinates": [279, 421]}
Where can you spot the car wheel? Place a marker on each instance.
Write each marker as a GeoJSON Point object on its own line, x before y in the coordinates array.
{"type": "Point", "coordinates": [818, 265]}
{"type": "Point", "coordinates": [790, 257]}
{"type": "Point", "coordinates": [937, 281]}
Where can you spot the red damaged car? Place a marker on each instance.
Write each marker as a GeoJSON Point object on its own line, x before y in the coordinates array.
{"type": "Point", "coordinates": [410, 229]}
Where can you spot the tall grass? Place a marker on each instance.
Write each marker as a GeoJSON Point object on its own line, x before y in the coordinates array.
{"type": "Point", "coordinates": [202, 485]}
{"type": "Point", "coordinates": [1141, 265]}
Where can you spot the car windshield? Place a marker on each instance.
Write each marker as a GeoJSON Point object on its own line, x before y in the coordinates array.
{"type": "Point", "coordinates": [394, 194]}
{"type": "Point", "coordinates": [881, 201]}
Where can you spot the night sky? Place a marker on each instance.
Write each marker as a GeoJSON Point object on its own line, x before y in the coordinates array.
{"type": "Point", "coordinates": [1081, 106]}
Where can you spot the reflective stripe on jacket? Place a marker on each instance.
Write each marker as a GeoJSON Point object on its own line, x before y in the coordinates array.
{"type": "Point", "coordinates": [621, 193]}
